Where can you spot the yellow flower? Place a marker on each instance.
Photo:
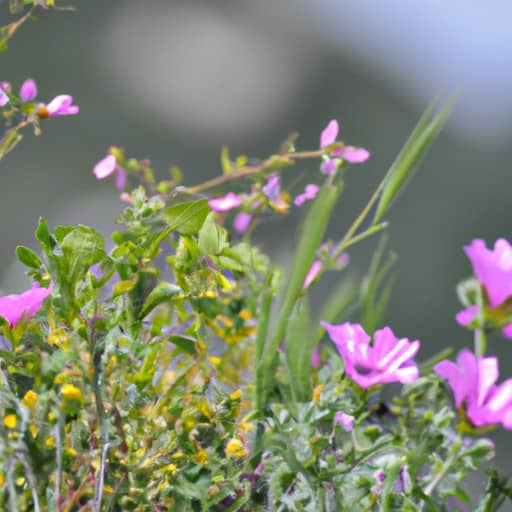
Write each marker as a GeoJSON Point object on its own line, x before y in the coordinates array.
{"type": "Point", "coordinates": [50, 442]}
{"type": "Point", "coordinates": [2, 479]}
{"type": "Point", "coordinates": [70, 392]}
{"type": "Point", "coordinates": [317, 392]}
{"type": "Point", "coordinates": [236, 395]}
{"type": "Point", "coordinates": [30, 399]}
{"type": "Point", "coordinates": [171, 468]}
{"type": "Point", "coordinates": [10, 421]}
{"type": "Point", "coordinates": [50, 3]}
{"type": "Point", "coordinates": [235, 448]}
{"type": "Point", "coordinates": [214, 360]}
{"type": "Point", "coordinates": [201, 457]}
{"type": "Point", "coordinates": [33, 430]}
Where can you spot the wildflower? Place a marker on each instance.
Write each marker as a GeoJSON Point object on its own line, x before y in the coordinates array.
{"type": "Point", "coordinates": [13, 307]}
{"type": "Point", "coordinates": [201, 457]}
{"type": "Point", "coordinates": [10, 421]}
{"type": "Point", "coordinates": [4, 99]}
{"type": "Point", "coordinates": [472, 380]}
{"type": "Point", "coordinates": [493, 268]}
{"type": "Point", "coordinates": [345, 420]}
{"type": "Point", "coordinates": [28, 90]}
{"type": "Point", "coordinates": [310, 192]}
{"type": "Point", "coordinates": [106, 167]}
{"type": "Point", "coordinates": [61, 105]}
{"type": "Point", "coordinates": [272, 189]}
{"type": "Point", "coordinates": [312, 274]}
{"type": "Point", "coordinates": [388, 359]}
{"type": "Point", "coordinates": [242, 222]}
{"type": "Point", "coordinates": [71, 392]}
{"type": "Point", "coordinates": [225, 203]}
{"type": "Point", "coordinates": [351, 154]}
{"type": "Point", "coordinates": [30, 399]}
{"type": "Point", "coordinates": [317, 392]}
{"type": "Point", "coordinates": [316, 358]}
{"type": "Point", "coordinates": [235, 448]}
{"type": "Point", "coordinates": [236, 395]}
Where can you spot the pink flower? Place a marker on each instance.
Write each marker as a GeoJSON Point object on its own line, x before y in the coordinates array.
{"type": "Point", "coordinates": [388, 359]}
{"type": "Point", "coordinates": [345, 420]}
{"type": "Point", "coordinates": [28, 90]}
{"type": "Point", "coordinates": [313, 272]}
{"type": "Point", "coordinates": [329, 166]}
{"type": "Point", "coordinates": [472, 380]}
{"type": "Point", "coordinates": [13, 307]}
{"type": "Point", "coordinates": [242, 222]}
{"type": "Point", "coordinates": [329, 134]}
{"type": "Point", "coordinates": [106, 167]}
{"type": "Point", "coordinates": [4, 99]}
{"type": "Point", "coordinates": [493, 268]}
{"type": "Point", "coordinates": [355, 155]}
{"type": "Point", "coordinates": [310, 192]}
{"type": "Point", "coordinates": [225, 203]}
{"type": "Point", "coordinates": [466, 316]}
{"type": "Point", "coordinates": [61, 105]}
{"type": "Point", "coordinates": [316, 357]}
{"type": "Point", "coordinates": [272, 189]}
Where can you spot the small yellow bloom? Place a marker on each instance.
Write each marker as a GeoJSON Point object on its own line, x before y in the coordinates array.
{"type": "Point", "coordinates": [201, 457]}
{"type": "Point", "coordinates": [33, 430]}
{"type": "Point", "coordinates": [10, 421]}
{"type": "Point", "coordinates": [50, 442]}
{"type": "Point", "coordinates": [235, 448]}
{"type": "Point", "coordinates": [177, 455]}
{"type": "Point", "coordinates": [317, 392]}
{"type": "Point", "coordinates": [20, 481]}
{"type": "Point", "coordinates": [30, 399]}
{"type": "Point", "coordinates": [245, 314]}
{"type": "Point", "coordinates": [2, 479]}
{"type": "Point", "coordinates": [236, 395]}
{"type": "Point", "coordinates": [52, 416]}
{"type": "Point", "coordinates": [108, 489]}
{"type": "Point", "coordinates": [50, 3]}
{"type": "Point", "coordinates": [171, 468]}
{"type": "Point", "coordinates": [214, 360]}
{"type": "Point", "coordinates": [71, 392]}
{"type": "Point", "coordinates": [71, 452]}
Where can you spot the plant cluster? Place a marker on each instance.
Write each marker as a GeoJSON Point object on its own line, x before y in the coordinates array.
{"type": "Point", "coordinates": [175, 366]}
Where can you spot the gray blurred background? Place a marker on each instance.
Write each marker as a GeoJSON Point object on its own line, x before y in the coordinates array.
{"type": "Point", "coordinates": [173, 80]}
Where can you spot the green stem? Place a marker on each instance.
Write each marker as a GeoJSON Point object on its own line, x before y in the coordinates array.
{"type": "Point", "coordinates": [457, 445]}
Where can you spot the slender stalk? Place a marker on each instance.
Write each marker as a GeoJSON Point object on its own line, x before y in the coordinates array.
{"type": "Point", "coordinates": [457, 445]}
{"type": "Point", "coordinates": [58, 437]}
{"type": "Point", "coordinates": [31, 482]}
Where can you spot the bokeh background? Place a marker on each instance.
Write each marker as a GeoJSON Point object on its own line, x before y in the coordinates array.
{"type": "Point", "coordinates": [174, 79]}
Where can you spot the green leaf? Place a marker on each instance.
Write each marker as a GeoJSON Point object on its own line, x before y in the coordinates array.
{"type": "Point", "coordinates": [187, 217]}
{"type": "Point", "coordinates": [387, 487]}
{"type": "Point", "coordinates": [401, 170]}
{"type": "Point", "coordinates": [185, 343]}
{"type": "Point", "coordinates": [163, 292]}
{"type": "Point", "coordinates": [43, 236]}
{"type": "Point", "coordinates": [225, 160]}
{"type": "Point", "coordinates": [213, 239]}
{"type": "Point", "coordinates": [28, 257]}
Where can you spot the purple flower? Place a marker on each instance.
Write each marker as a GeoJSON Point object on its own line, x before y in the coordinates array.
{"type": "Point", "coordinates": [28, 90]}
{"type": "Point", "coordinates": [310, 192]}
{"type": "Point", "coordinates": [388, 359]}
{"type": "Point", "coordinates": [316, 357]}
{"type": "Point", "coordinates": [272, 189]}
{"type": "Point", "coordinates": [345, 420]}
{"type": "Point", "coordinates": [242, 222]}
{"type": "Point", "coordinates": [329, 166]}
{"type": "Point", "coordinates": [61, 105]}
{"type": "Point", "coordinates": [313, 272]}
{"type": "Point", "coordinates": [493, 268]}
{"type": "Point", "coordinates": [106, 167]}
{"type": "Point", "coordinates": [13, 307]}
{"type": "Point", "coordinates": [225, 203]}
{"type": "Point", "coordinates": [4, 99]}
{"type": "Point", "coordinates": [472, 380]}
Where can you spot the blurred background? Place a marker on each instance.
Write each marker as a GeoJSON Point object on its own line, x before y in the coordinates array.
{"type": "Point", "coordinates": [173, 80]}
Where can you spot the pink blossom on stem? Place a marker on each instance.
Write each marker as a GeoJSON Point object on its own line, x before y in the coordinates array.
{"type": "Point", "coordinates": [28, 90]}
{"type": "Point", "coordinates": [13, 307]}
{"type": "Point", "coordinates": [329, 134]}
{"type": "Point", "coordinates": [61, 105]}
{"type": "Point", "coordinates": [388, 359]}
{"type": "Point", "coordinates": [345, 420]}
{"type": "Point", "coordinates": [242, 222]}
{"type": "Point", "coordinates": [108, 166]}
{"type": "Point", "coordinates": [493, 268]}
{"type": "Point", "coordinates": [225, 203]}
{"type": "Point", "coordinates": [313, 272]}
{"type": "Point", "coordinates": [466, 316]}
{"type": "Point", "coordinates": [310, 192]}
{"type": "Point", "coordinates": [4, 99]}
{"type": "Point", "coordinates": [473, 382]}
{"type": "Point", "coordinates": [355, 155]}
{"type": "Point", "coordinates": [316, 358]}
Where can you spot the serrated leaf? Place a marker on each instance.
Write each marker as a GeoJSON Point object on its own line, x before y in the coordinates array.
{"type": "Point", "coordinates": [163, 292]}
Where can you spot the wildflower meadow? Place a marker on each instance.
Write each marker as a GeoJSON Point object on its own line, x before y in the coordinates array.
{"type": "Point", "coordinates": [175, 366]}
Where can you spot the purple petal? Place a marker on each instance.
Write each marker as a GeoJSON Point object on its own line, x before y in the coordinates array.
{"type": "Point", "coordinates": [329, 166]}
{"type": "Point", "coordinates": [105, 167]}
{"type": "Point", "coordinates": [466, 316]}
{"type": "Point", "coordinates": [225, 203]}
{"type": "Point", "coordinates": [345, 420]}
{"type": "Point", "coordinates": [62, 105]}
{"type": "Point", "coordinates": [507, 330]}
{"type": "Point", "coordinates": [121, 178]}
{"type": "Point", "coordinates": [28, 90]}
{"type": "Point", "coordinates": [355, 155]}
{"type": "Point", "coordinates": [329, 134]}
{"type": "Point", "coordinates": [272, 188]}
{"type": "Point", "coordinates": [310, 192]}
{"type": "Point", "coordinates": [242, 222]}
{"type": "Point", "coordinates": [4, 99]}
